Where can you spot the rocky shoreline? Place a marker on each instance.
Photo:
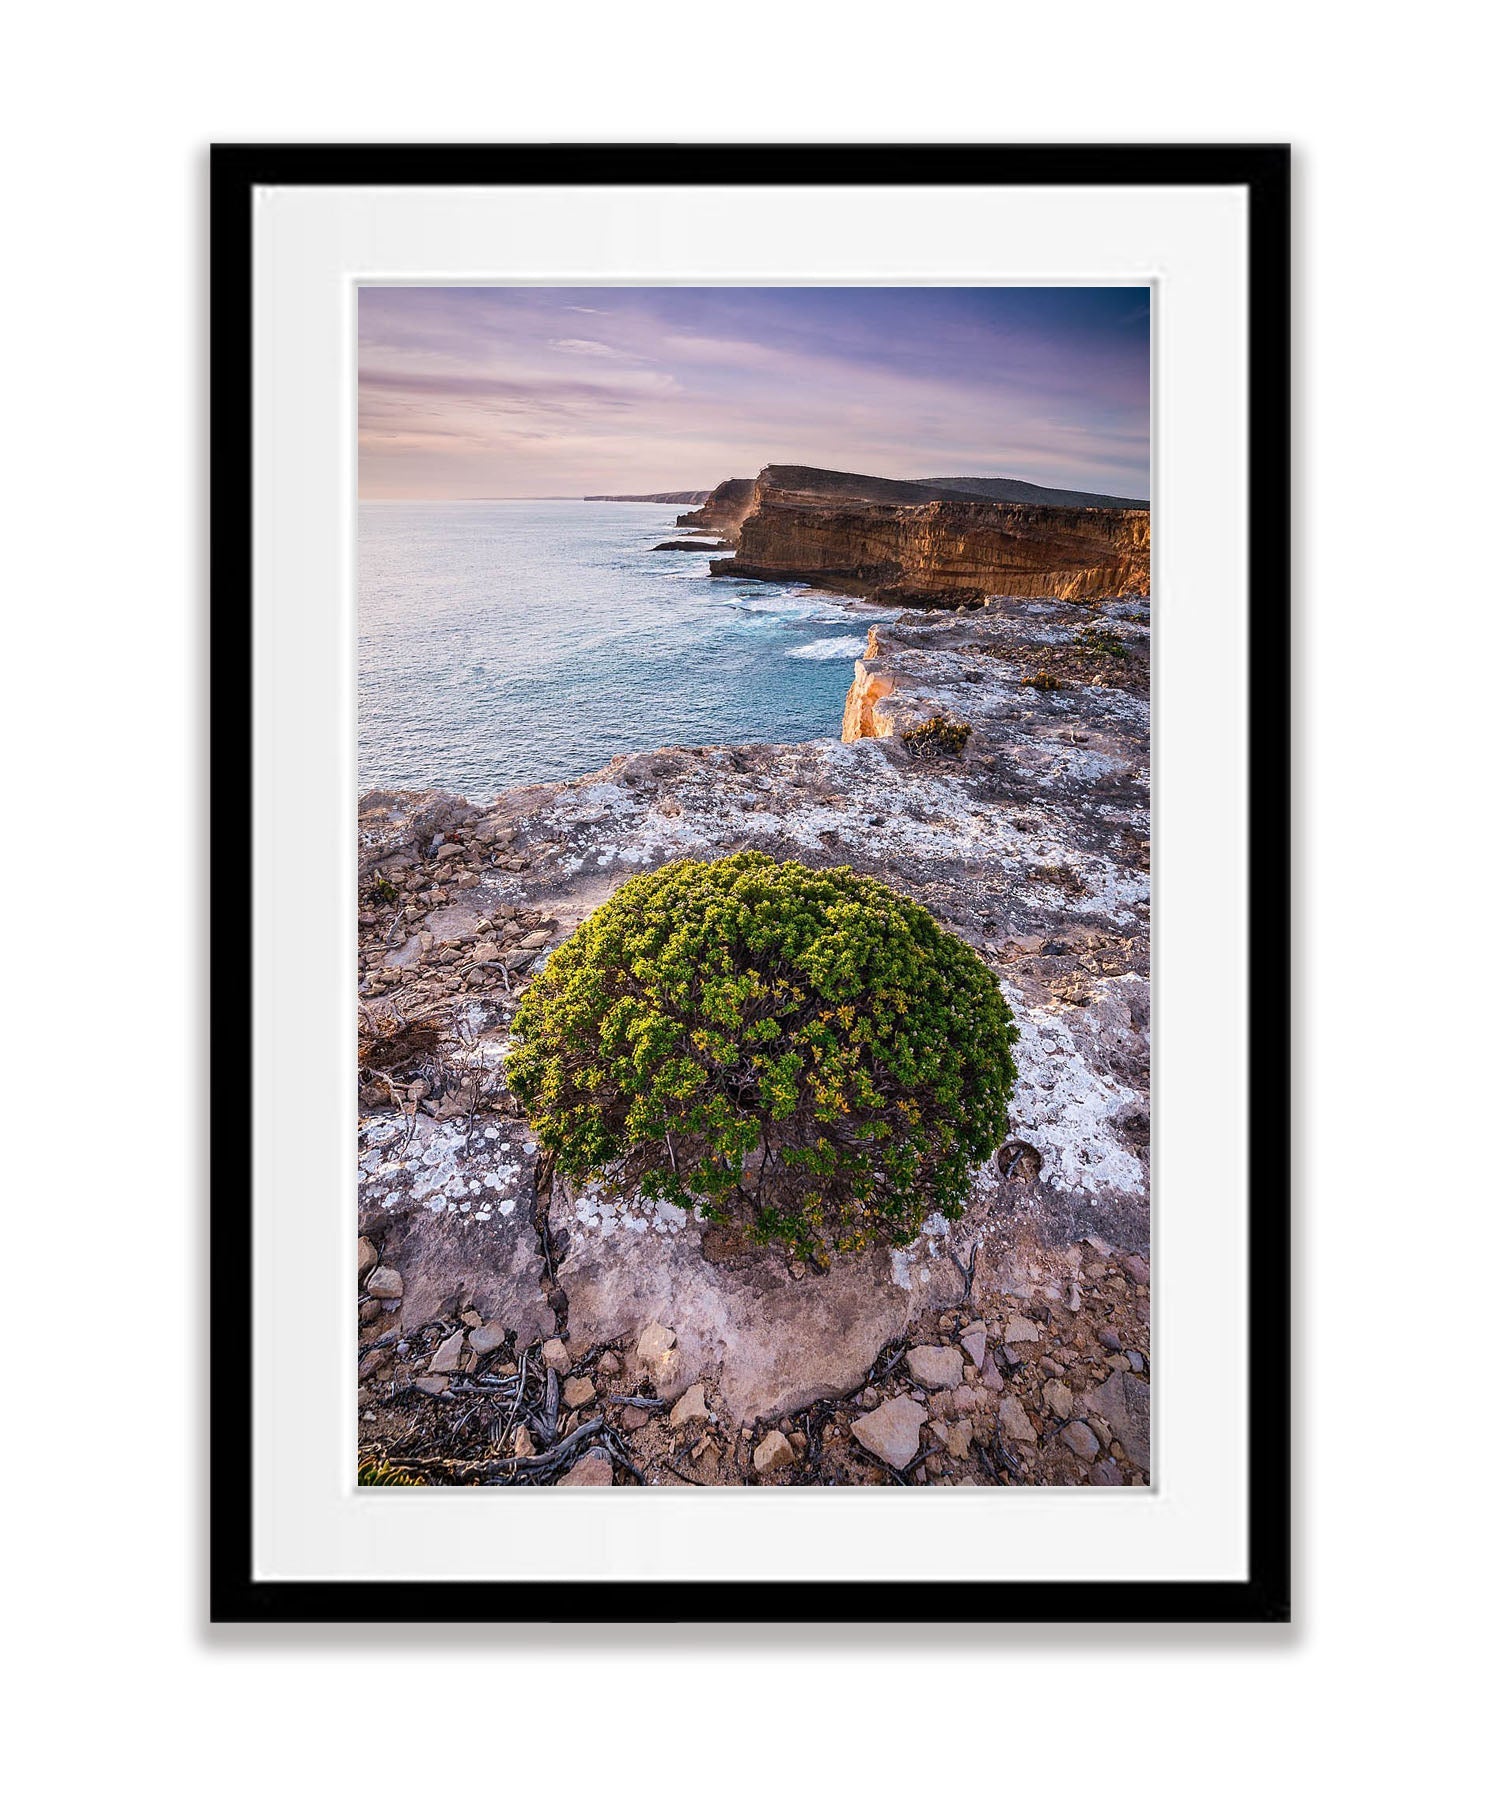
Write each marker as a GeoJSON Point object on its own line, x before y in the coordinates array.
{"type": "Point", "coordinates": [514, 1330]}
{"type": "Point", "coordinates": [920, 544]}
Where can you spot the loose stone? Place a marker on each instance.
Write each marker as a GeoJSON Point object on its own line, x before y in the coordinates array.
{"type": "Point", "coordinates": [385, 1284]}
{"type": "Point", "coordinates": [1059, 1396]}
{"type": "Point", "coordinates": [892, 1431]}
{"type": "Point", "coordinates": [591, 1470]}
{"type": "Point", "coordinates": [578, 1390]}
{"type": "Point", "coordinates": [935, 1366]}
{"type": "Point", "coordinates": [773, 1452]}
{"type": "Point", "coordinates": [691, 1409]}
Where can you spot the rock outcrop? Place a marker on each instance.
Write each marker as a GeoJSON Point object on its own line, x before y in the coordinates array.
{"type": "Point", "coordinates": [943, 552]}
{"type": "Point", "coordinates": [1032, 842]}
{"type": "Point", "coordinates": [724, 508]}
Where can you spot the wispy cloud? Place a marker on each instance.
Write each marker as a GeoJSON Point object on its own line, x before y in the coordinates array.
{"type": "Point", "coordinates": [485, 391]}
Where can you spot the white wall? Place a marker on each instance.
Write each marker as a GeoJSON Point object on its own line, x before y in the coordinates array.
{"type": "Point", "coordinates": [1376, 1690]}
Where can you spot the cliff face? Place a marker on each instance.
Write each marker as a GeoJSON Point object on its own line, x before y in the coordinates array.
{"type": "Point", "coordinates": [724, 508]}
{"type": "Point", "coordinates": [944, 552]}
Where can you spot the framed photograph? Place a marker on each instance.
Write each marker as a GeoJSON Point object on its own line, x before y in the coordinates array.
{"type": "Point", "coordinates": [750, 883]}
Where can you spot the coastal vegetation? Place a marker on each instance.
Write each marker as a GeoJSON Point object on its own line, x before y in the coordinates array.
{"type": "Point", "coordinates": [803, 1053]}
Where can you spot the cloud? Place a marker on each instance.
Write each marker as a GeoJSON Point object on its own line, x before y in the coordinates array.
{"type": "Point", "coordinates": [591, 347]}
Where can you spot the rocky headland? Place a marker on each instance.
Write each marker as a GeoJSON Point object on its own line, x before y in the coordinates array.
{"type": "Point", "coordinates": [676, 497]}
{"type": "Point", "coordinates": [920, 544]}
{"type": "Point", "coordinates": [513, 1329]}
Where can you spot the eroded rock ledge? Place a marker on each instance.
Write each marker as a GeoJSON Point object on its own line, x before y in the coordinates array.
{"type": "Point", "coordinates": [1033, 845]}
{"type": "Point", "coordinates": [915, 543]}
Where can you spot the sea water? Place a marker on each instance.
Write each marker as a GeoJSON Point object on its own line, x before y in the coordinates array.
{"type": "Point", "coordinates": [512, 641]}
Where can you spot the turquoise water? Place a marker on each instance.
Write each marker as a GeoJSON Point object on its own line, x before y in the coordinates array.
{"type": "Point", "coordinates": [504, 642]}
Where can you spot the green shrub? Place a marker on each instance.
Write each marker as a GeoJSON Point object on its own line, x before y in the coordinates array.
{"type": "Point", "coordinates": [938, 736]}
{"type": "Point", "coordinates": [1102, 641]}
{"type": "Point", "coordinates": [803, 1053]}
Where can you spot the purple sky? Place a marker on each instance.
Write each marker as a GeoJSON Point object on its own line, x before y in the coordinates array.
{"type": "Point", "coordinates": [468, 393]}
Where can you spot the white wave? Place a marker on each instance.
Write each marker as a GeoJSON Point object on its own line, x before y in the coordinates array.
{"type": "Point", "coordinates": [826, 649]}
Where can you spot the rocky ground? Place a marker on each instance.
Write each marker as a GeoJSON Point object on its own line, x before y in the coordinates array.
{"type": "Point", "coordinates": [512, 1329]}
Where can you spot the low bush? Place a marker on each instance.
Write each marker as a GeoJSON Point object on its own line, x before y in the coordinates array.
{"type": "Point", "coordinates": [938, 736]}
{"type": "Point", "coordinates": [805, 1054]}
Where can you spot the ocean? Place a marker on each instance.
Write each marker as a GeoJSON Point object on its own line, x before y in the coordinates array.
{"type": "Point", "coordinates": [506, 642]}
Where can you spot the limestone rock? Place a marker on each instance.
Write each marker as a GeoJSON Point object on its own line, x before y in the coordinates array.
{"type": "Point", "coordinates": [368, 1257]}
{"type": "Point", "coordinates": [593, 1469]}
{"type": "Point", "coordinates": [975, 1339]}
{"type": "Point", "coordinates": [691, 1409]}
{"type": "Point", "coordinates": [771, 1344]}
{"type": "Point", "coordinates": [1124, 1403]}
{"type": "Point", "coordinates": [555, 1356]}
{"type": "Point", "coordinates": [578, 1390]}
{"type": "Point", "coordinates": [957, 1439]}
{"type": "Point", "coordinates": [386, 1284]}
{"type": "Point", "coordinates": [935, 1366]}
{"type": "Point", "coordinates": [486, 1339]}
{"type": "Point", "coordinates": [773, 1452]}
{"type": "Point", "coordinates": [1021, 1331]}
{"type": "Point", "coordinates": [893, 1431]}
{"type": "Point", "coordinates": [445, 1357]}
{"type": "Point", "coordinates": [1014, 1422]}
{"type": "Point", "coordinates": [1059, 1397]}
{"type": "Point", "coordinates": [1080, 1440]}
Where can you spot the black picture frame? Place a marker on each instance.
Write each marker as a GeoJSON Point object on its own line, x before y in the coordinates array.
{"type": "Point", "coordinates": [1263, 171]}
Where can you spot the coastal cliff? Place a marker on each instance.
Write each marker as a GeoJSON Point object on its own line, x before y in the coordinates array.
{"type": "Point", "coordinates": [946, 552]}
{"type": "Point", "coordinates": [918, 543]}
{"type": "Point", "coordinates": [1028, 836]}
{"type": "Point", "coordinates": [724, 509]}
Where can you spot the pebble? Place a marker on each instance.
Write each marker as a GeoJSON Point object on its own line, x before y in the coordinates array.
{"type": "Point", "coordinates": [975, 1339]}
{"type": "Point", "coordinates": [385, 1284]}
{"type": "Point", "coordinates": [992, 1376]}
{"type": "Point", "coordinates": [1059, 1396]}
{"type": "Point", "coordinates": [555, 1356]}
{"type": "Point", "coordinates": [935, 1365]}
{"type": "Point", "coordinates": [609, 1363]}
{"type": "Point", "coordinates": [431, 1384]}
{"type": "Point", "coordinates": [486, 1339]}
{"type": "Point", "coordinates": [691, 1409]}
{"type": "Point", "coordinates": [773, 1452]}
{"type": "Point", "coordinates": [578, 1391]}
{"type": "Point", "coordinates": [1021, 1331]}
{"type": "Point", "coordinates": [523, 1443]}
{"type": "Point", "coordinates": [1080, 1440]}
{"type": "Point", "coordinates": [445, 1357]}
{"type": "Point", "coordinates": [633, 1418]}
{"type": "Point", "coordinates": [958, 1439]}
{"type": "Point", "coordinates": [1015, 1422]}
{"type": "Point", "coordinates": [1138, 1269]}
{"type": "Point", "coordinates": [368, 1257]}
{"type": "Point", "coordinates": [892, 1431]}
{"type": "Point", "coordinates": [1110, 1339]}
{"type": "Point", "coordinates": [591, 1470]}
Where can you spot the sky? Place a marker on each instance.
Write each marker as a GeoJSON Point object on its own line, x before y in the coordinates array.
{"type": "Point", "coordinates": [508, 393]}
